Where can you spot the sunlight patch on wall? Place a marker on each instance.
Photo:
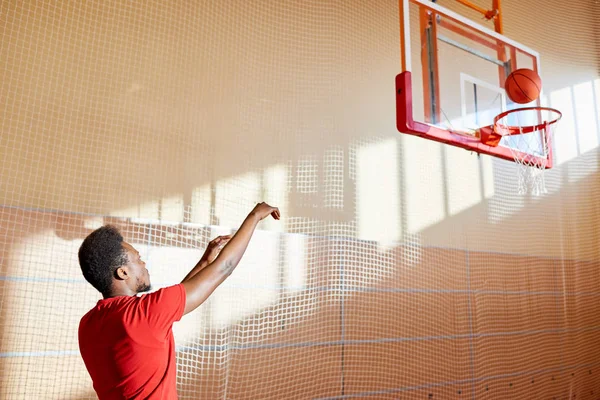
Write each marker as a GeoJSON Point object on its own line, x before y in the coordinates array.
{"type": "Point", "coordinates": [200, 205]}
{"type": "Point", "coordinates": [43, 255]}
{"type": "Point", "coordinates": [465, 179]}
{"type": "Point", "coordinates": [564, 140]}
{"type": "Point", "coordinates": [253, 286]}
{"type": "Point", "coordinates": [377, 191]}
{"type": "Point", "coordinates": [235, 197]}
{"type": "Point", "coordinates": [93, 223]}
{"type": "Point", "coordinates": [597, 98]}
{"type": "Point", "coordinates": [168, 265]}
{"type": "Point", "coordinates": [424, 183]}
{"type": "Point", "coordinates": [276, 192]}
{"type": "Point", "coordinates": [295, 261]}
{"type": "Point", "coordinates": [171, 209]}
{"type": "Point", "coordinates": [585, 114]}
{"type": "Point", "coordinates": [149, 210]}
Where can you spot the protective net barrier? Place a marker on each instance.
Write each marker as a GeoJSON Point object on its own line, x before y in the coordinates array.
{"type": "Point", "coordinates": [402, 268]}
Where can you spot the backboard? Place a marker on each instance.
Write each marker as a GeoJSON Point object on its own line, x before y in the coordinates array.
{"type": "Point", "coordinates": [452, 83]}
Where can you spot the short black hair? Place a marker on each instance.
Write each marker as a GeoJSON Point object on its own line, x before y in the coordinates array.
{"type": "Point", "coordinates": [100, 254]}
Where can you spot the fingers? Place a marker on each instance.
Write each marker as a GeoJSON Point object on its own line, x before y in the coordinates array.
{"type": "Point", "coordinates": [220, 240]}
{"type": "Point", "coordinates": [275, 213]}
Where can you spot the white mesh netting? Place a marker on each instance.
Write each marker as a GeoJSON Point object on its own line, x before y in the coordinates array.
{"type": "Point", "coordinates": [402, 268]}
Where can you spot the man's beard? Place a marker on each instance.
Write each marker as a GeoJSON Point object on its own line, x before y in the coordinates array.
{"type": "Point", "coordinates": [143, 287]}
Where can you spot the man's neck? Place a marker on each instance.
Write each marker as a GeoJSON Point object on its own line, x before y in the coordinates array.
{"type": "Point", "coordinates": [118, 292]}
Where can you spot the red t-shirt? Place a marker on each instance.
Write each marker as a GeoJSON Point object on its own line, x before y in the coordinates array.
{"type": "Point", "coordinates": [128, 347]}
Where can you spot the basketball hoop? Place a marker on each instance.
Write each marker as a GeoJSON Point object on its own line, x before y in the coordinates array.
{"type": "Point", "coordinates": [527, 132]}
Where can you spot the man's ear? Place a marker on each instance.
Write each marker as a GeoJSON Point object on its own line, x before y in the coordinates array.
{"type": "Point", "coordinates": [122, 273]}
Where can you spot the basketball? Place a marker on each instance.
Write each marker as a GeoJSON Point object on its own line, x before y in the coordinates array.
{"type": "Point", "coordinates": [523, 86]}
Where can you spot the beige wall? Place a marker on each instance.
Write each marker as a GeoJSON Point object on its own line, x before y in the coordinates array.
{"type": "Point", "coordinates": [143, 110]}
{"type": "Point", "coordinates": [193, 111]}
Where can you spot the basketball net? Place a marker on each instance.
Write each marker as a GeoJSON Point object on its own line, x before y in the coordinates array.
{"type": "Point", "coordinates": [530, 176]}
{"type": "Point", "coordinates": [528, 133]}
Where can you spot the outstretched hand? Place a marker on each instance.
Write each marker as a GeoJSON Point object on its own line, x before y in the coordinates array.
{"type": "Point", "coordinates": [263, 210]}
{"type": "Point", "coordinates": [214, 247]}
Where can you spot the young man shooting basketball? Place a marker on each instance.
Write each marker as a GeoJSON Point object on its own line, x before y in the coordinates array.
{"type": "Point", "coordinates": [126, 341]}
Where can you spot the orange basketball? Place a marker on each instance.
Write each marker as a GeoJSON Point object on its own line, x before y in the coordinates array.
{"type": "Point", "coordinates": [523, 86]}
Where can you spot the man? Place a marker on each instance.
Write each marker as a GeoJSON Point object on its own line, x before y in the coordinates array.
{"type": "Point", "coordinates": [126, 341]}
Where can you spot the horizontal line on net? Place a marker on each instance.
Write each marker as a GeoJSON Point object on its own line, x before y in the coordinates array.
{"type": "Point", "coordinates": [250, 346]}
{"type": "Point", "coordinates": [458, 382]}
{"type": "Point", "coordinates": [381, 340]}
{"type": "Point", "coordinates": [341, 288]}
{"type": "Point", "coordinates": [48, 353]}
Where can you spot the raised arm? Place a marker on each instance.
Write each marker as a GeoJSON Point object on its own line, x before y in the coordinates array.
{"type": "Point", "coordinates": [202, 284]}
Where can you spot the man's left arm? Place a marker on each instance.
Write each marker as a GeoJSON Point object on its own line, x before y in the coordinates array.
{"type": "Point", "coordinates": [212, 251]}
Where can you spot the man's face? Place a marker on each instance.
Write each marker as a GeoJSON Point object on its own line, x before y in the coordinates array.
{"type": "Point", "coordinates": [137, 269]}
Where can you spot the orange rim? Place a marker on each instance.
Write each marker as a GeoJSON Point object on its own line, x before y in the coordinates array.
{"type": "Point", "coordinates": [504, 130]}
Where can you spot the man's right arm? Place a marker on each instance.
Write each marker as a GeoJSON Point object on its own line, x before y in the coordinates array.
{"type": "Point", "coordinates": [201, 285]}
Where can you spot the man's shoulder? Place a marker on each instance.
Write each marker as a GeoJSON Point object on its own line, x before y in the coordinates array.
{"type": "Point", "coordinates": [104, 309]}
{"type": "Point", "coordinates": [130, 309]}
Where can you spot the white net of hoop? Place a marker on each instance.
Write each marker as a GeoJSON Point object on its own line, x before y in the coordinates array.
{"type": "Point", "coordinates": [530, 147]}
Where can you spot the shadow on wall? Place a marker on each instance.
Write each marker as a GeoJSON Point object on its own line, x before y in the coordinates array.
{"type": "Point", "coordinates": [145, 103]}
{"type": "Point", "coordinates": [561, 224]}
